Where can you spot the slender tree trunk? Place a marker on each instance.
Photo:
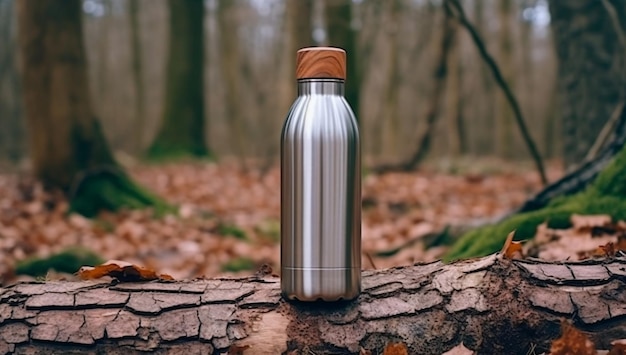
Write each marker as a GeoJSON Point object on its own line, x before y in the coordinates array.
{"type": "Point", "coordinates": [389, 107]}
{"type": "Point", "coordinates": [484, 136]}
{"type": "Point", "coordinates": [67, 146]}
{"type": "Point", "coordinates": [182, 131]}
{"type": "Point", "coordinates": [12, 132]}
{"type": "Point", "coordinates": [140, 119]}
{"type": "Point", "coordinates": [231, 70]}
{"type": "Point", "coordinates": [341, 34]}
{"type": "Point", "coordinates": [490, 305]}
{"type": "Point", "coordinates": [504, 119]}
{"type": "Point", "coordinates": [591, 70]}
{"type": "Point", "coordinates": [454, 122]}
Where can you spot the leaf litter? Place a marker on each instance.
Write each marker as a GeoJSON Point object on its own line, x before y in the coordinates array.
{"type": "Point", "coordinates": [229, 218]}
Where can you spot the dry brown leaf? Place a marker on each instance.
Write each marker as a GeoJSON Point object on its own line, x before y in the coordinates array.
{"type": "Point", "coordinates": [121, 270]}
{"type": "Point", "coordinates": [607, 250]}
{"type": "Point", "coordinates": [396, 349]}
{"type": "Point", "coordinates": [237, 349]}
{"type": "Point", "coordinates": [459, 350]}
{"type": "Point", "coordinates": [511, 248]}
{"type": "Point", "coordinates": [586, 222]}
{"type": "Point", "coordinates": [572, 341]}
{"type": "Point", "coordinates": [621, 242]}
{"type": "Point", "coordinates": [618, 347]}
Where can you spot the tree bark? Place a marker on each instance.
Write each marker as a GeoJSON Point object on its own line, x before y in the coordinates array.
{"type": "Point", "coordinates": [492, 305]}
{"type": "Point", "coordinates": [592, 70]}
{"type": "Point", "coordinates": [182, 130]}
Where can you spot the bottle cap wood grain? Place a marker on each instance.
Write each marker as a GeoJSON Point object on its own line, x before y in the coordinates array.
{"type": "Point", "coordinates": [321, 63]}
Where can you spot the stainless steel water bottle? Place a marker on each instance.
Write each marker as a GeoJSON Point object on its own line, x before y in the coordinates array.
{"type": "Point", "coordinates": [320, 184]}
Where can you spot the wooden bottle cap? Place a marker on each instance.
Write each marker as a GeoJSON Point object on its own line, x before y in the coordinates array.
{"type": "Point", "coordinates": [321, 62]}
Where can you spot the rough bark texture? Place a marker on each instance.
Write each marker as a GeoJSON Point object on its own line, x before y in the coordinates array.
{"type": "Point", "coordinates": [591, 70]}
{"type": "Point", "coordinates": [182, 131]}
{"type": "Point", "coordinates": [492, 305]}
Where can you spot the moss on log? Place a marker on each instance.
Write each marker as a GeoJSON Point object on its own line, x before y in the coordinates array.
{"type": "Point", "coordinates": [605, 195]}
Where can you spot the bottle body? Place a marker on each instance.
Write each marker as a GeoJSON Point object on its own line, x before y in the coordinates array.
{"type": "Point", "coordinates": [320, 195]}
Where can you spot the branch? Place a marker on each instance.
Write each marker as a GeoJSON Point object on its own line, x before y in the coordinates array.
{"type": "Point", "coordinates": [460, 13]}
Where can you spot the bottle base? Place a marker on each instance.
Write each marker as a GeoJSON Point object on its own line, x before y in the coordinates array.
{"type": "Point", "coordinates": [325, 284]}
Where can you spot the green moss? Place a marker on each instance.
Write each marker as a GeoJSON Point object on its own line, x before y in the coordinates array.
{"type": "Point", "coordinates": [239, 264]}
{"type": "Point", "coordinates": [233, 231]}
{"type": "Point", "coordinates": [114, 191]}
{"type": "Point", "coordinates": [68, 261]}
{"type": "Point", "coordinates": [606, 195]}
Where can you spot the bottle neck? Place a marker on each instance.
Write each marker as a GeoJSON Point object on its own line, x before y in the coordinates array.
{"type": "Point", "coordinates": [320, 87]}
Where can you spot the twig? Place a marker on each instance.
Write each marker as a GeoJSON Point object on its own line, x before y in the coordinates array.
{"type": "Point", "coordinates": [491, 63]}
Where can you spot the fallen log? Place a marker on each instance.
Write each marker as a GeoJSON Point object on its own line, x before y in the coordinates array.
{"type": "Point", "coordinates": [491, 305]}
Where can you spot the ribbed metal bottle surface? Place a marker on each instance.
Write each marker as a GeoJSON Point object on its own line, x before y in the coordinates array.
{"type": "Point", "coordinates": [320, 195]}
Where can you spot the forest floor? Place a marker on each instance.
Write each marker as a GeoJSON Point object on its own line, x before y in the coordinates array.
{"type": "Point", "coordinates": [228, 220]}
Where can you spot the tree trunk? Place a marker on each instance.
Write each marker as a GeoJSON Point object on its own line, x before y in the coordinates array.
{"type": "Point", "coordinates": [492, 306]}
{"type": "Point", "coordinates": [592, 71]}
{"type": "Point", "coordinates": [341, 34]}
{"type": "Point", "coordinates": [230, 58]}
{"type": "Point", "coordinates": [67, 146]}
{"type": "Point", "coordinates": [12, 133]}
{"type": "Point", "coordinates": [453, 101]}
{"type": "Point", "coordinates": [140, 119]}
{"type": "Point", "coordinates": [182, 130]}
{"type": "Point", "coordinates": [504, 119]}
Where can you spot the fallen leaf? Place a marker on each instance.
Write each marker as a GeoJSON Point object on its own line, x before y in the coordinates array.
{"type": "Point", "coordinates": [121, 270]}
{"type": "Point", "coordinates": [572, 341]}
{"type": "Point", "coordinates": [621, 242]}
{"type": "Point", "coordinates": [396, 349]}
{"type": "Point", "coordinates": [237, 349]}
{"type": "Point", "coordinates": [459, 350]}
{"type": "Point", "coordinates": [607, 250]}
{"type": "Point", "coordinates": [510, 248]}
{"type": "Point", "coordinates": [618, 347]}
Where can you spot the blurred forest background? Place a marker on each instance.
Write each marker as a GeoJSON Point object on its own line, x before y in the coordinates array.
{"type": "Point", "coordinates": [249, 82]}
{"type": "Point", "coordinates": [215, 79]}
